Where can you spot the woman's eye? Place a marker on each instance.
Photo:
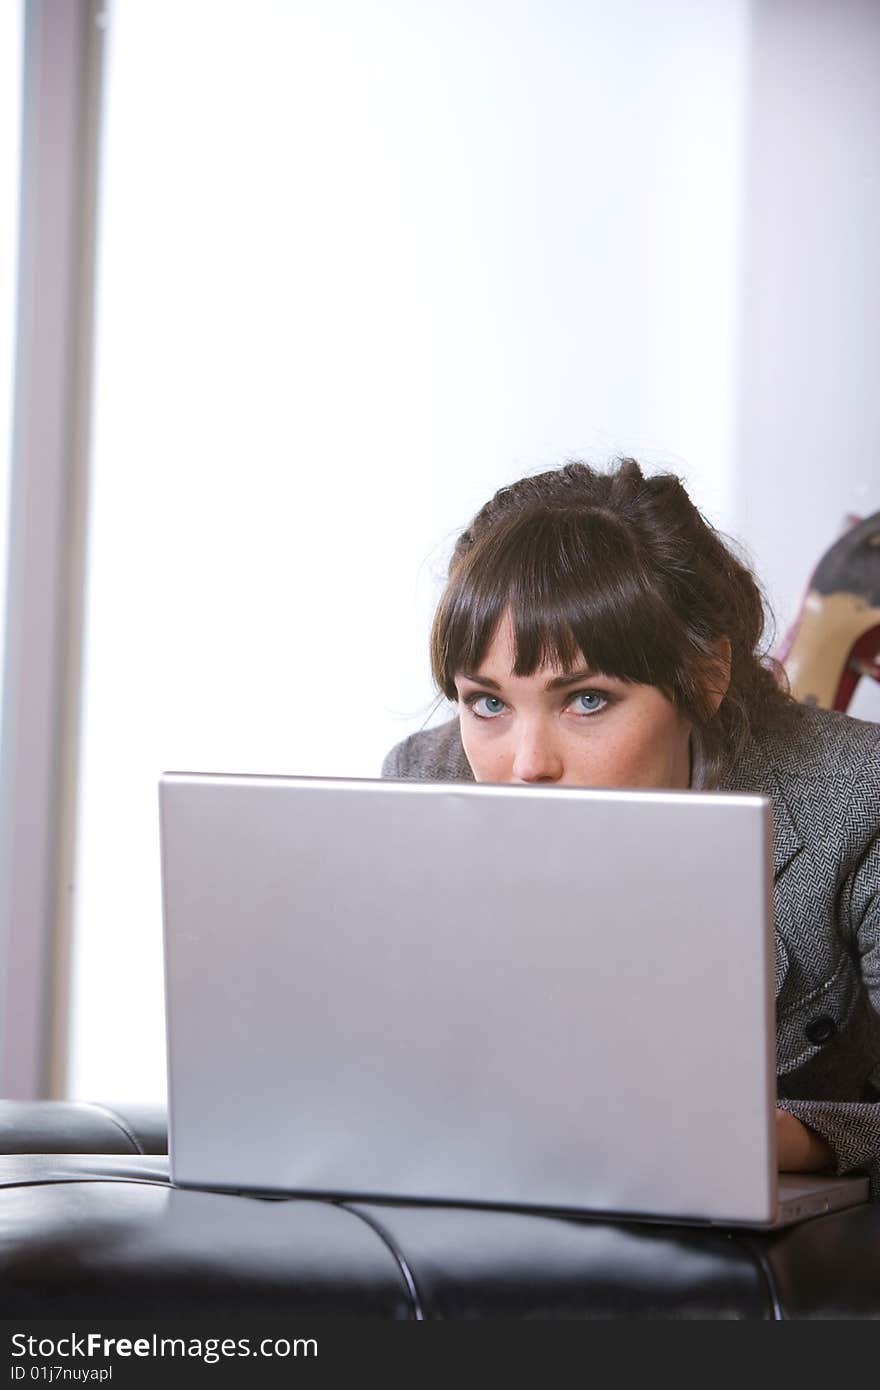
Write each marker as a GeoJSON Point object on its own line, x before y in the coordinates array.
{"type": "Point", "coordinates": [588, 701]}
{"type": "Point", "coordinates": [492, 704]}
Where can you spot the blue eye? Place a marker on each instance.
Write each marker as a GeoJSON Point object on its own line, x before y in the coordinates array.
{"type": "Point", "coordinates": [490, 700]}
{"type": "Point", "coordinates": [592, 700]}
{"type": "Point", "coordinates": [581, 703]}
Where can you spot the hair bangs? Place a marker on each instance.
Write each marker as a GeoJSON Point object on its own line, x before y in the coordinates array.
{"type": "Point", "coordinates": [575, 590]}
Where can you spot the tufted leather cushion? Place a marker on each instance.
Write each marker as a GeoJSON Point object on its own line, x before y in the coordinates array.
{"type": "Point", "coordinates": [472, 1263]}
{"type": "Point", "coordinates": [70, 1126]}
{"type": "Point", "coordinates": [82, 1235]}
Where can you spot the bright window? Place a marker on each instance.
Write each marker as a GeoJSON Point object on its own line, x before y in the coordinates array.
{"type": "Point", "coordinates": [360, 264]}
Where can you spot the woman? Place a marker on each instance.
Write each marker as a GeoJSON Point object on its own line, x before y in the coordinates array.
{"type": "Point", "coordinates": [595, 630]}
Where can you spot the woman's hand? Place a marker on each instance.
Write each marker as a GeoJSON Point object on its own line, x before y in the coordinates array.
{"type": "Point", "coordinates": [799, 1149]}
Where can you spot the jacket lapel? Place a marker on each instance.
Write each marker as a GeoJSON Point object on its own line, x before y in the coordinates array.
{"type": "Point", "coordinates": [755, 772]}
{"type": "Point", "coordinates": [786, 837]}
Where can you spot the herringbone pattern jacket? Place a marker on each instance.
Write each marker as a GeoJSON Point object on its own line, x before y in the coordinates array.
{"type": "Point", "coordinates": [822, 772]}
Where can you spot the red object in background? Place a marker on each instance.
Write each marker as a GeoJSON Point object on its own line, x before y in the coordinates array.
{"type": "Point", "coordinates": [864, 660]}
{"type": "Point", "coordinates": [850, 571]}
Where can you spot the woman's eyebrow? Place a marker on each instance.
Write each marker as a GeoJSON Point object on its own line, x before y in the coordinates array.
{"type": "Point", "coordinates": [557, 683]}
{"type": "Point", "coordinates": [582, 674]}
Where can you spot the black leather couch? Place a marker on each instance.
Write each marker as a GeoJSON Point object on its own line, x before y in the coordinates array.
{"type": "Point", "coordinates": [90, 1225]}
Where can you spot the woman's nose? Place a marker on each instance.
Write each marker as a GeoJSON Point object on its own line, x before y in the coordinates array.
{"type": "Point", "coordinates": [536, 757]}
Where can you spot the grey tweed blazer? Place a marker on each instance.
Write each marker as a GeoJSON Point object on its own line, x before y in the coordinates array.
{"type": "Point", "coordinates": [822, 771]}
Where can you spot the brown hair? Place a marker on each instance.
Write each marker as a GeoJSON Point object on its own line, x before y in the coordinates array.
{"type": "Point", "coordinates": [624, 569]}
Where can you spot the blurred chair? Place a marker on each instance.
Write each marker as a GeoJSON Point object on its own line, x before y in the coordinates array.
{"type": "Point", "coordinates": [835, 639]}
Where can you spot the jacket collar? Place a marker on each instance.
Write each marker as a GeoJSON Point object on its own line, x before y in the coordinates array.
{"type": "Point", "coordinates": [756, 771]}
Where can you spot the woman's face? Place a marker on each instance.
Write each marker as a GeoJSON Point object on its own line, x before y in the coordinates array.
{"type": "Point", "coordinates": [576, 728]}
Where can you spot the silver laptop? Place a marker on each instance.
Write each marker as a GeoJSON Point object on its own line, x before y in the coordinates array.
{"type": "Point", "coordinates": [549, 998]}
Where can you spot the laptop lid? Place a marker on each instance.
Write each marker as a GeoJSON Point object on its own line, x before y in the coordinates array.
{"type": "Point", "coordinates": [547, 997]}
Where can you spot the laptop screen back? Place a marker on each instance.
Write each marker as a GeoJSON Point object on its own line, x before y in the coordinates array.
{"type": "Point", "coordinates": [547, 997]}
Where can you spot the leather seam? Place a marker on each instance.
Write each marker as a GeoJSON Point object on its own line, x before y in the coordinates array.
{"type": "Point", "coordinates": [765, 1269]}
{"type": "Point", "coordinates": [119, 1123]}
{"type": "Point", "coordinates": [408, 1278]}
{"type": "Point", "coordinates": [61, 1182]}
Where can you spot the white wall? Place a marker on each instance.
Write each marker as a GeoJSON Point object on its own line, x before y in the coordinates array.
{"type": "Point", "coordinates": [360, 264]}
{"type": "Point", "coordinates": [808, 448]}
